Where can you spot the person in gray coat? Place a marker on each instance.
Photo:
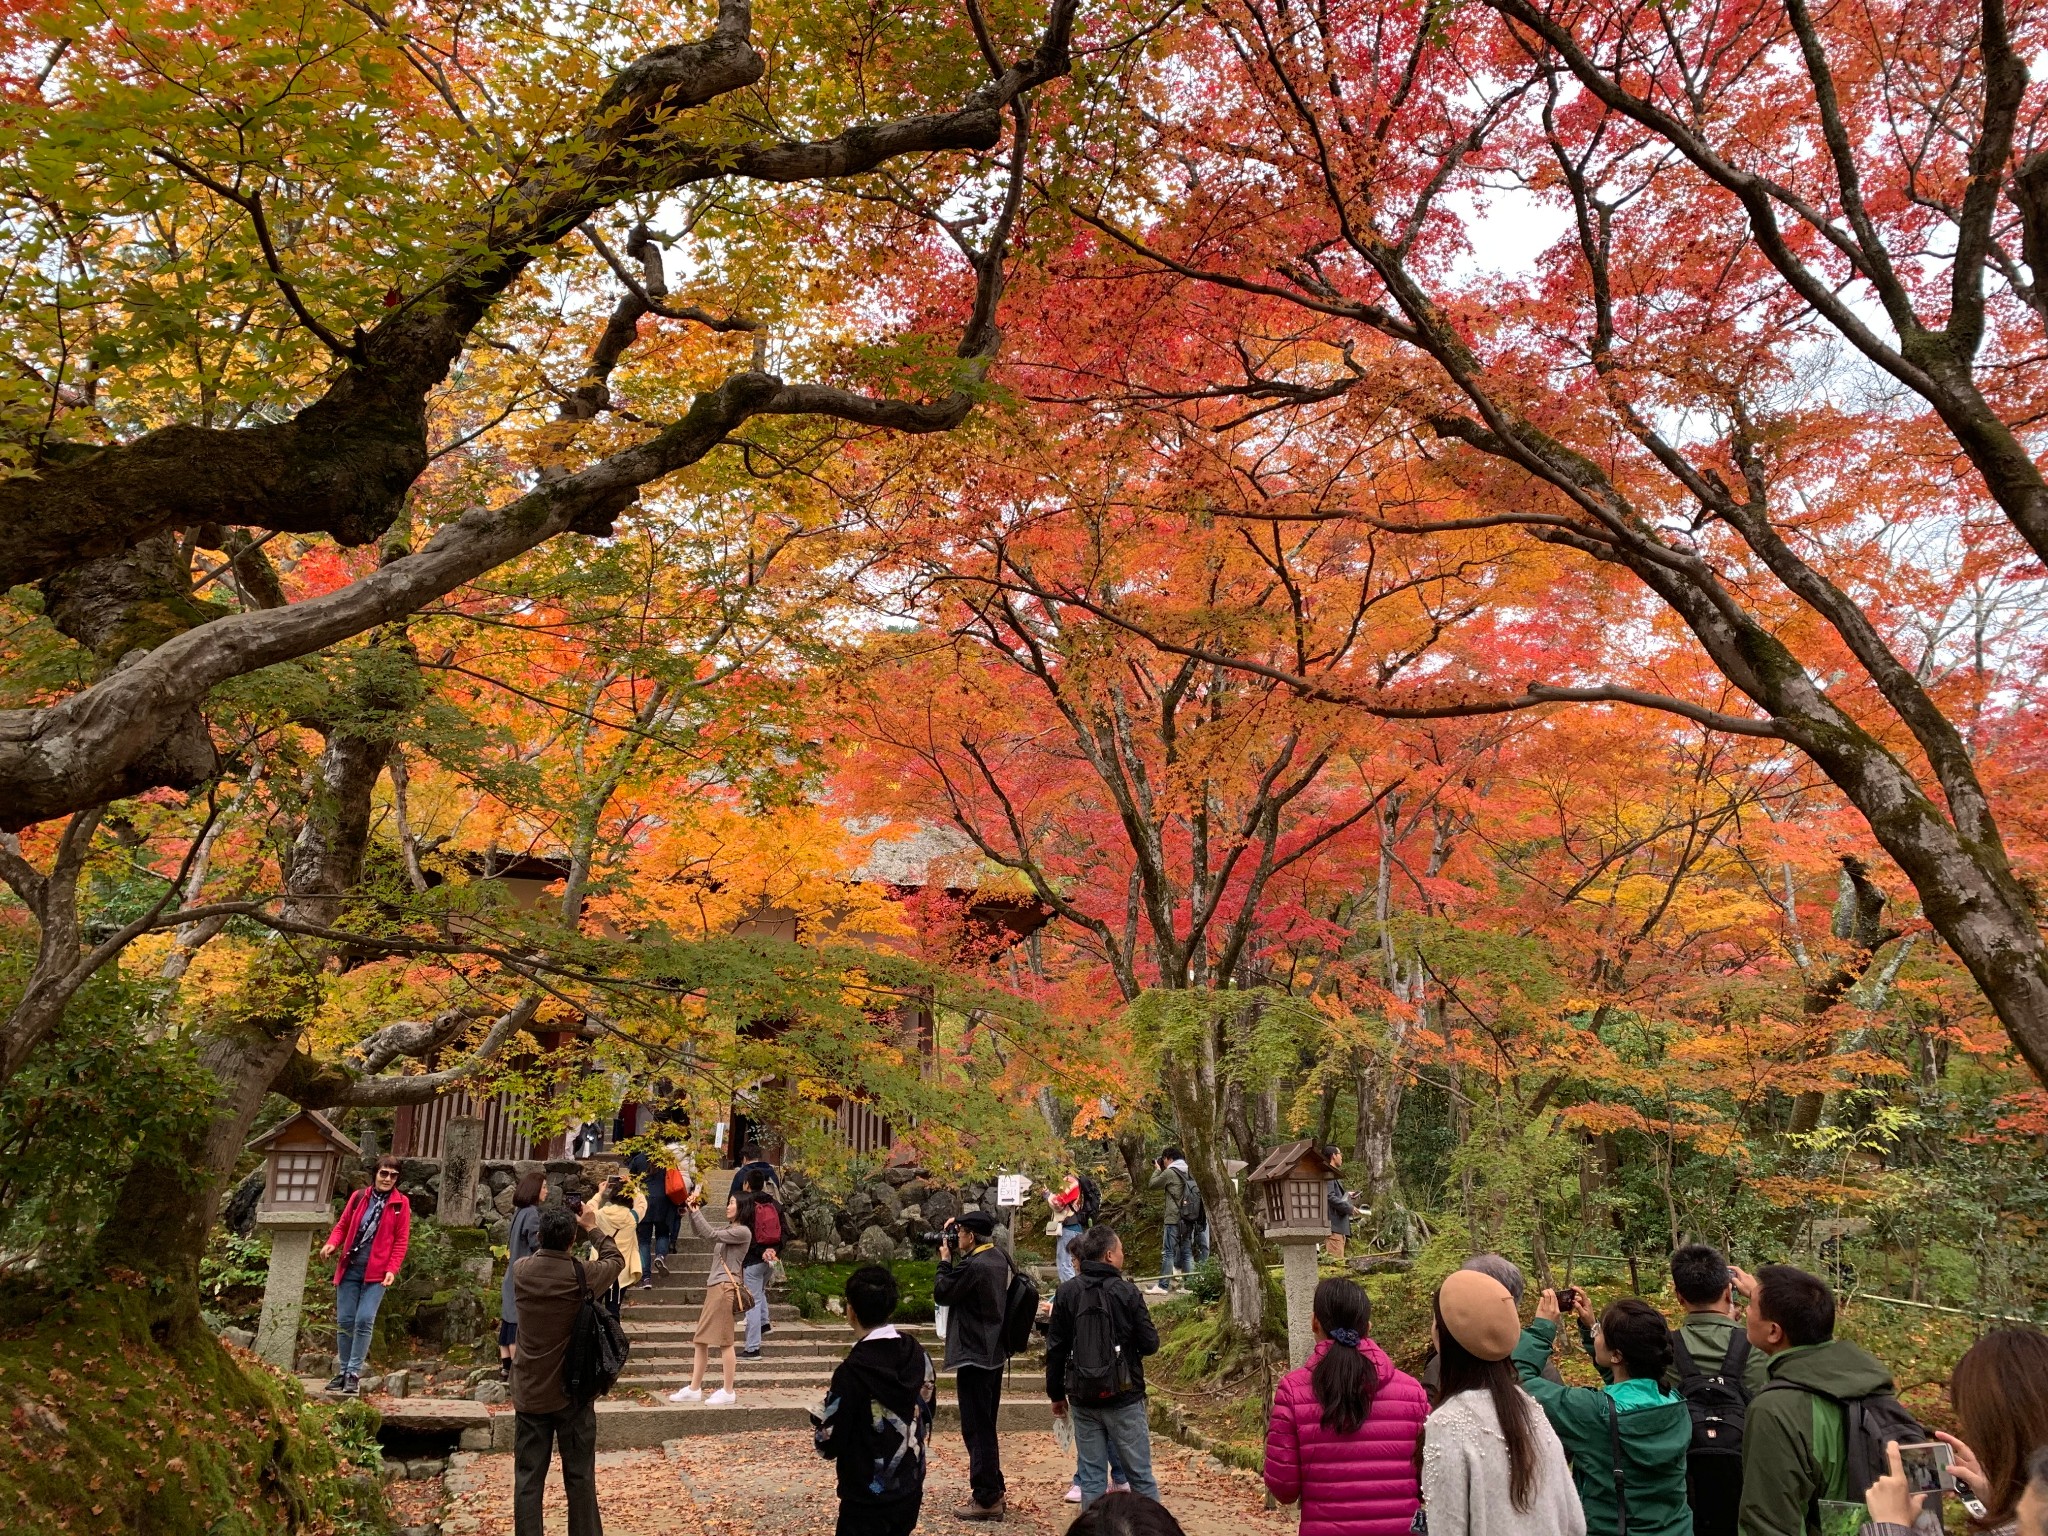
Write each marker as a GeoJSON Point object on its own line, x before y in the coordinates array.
{"type": "Point", "coordinates": [528, 1196]}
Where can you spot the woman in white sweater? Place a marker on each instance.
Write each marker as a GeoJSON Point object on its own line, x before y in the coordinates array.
{"type": "Point", "coordinates": [1491, 1463]}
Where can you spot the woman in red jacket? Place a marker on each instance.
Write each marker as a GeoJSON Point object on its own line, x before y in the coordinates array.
{"type": "Point", "coordinates": [1345, 1426]}
{"type": "Point", "coordinates": [370, 1239]}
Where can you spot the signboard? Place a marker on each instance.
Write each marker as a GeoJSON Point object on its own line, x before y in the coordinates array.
{"type": "Point", "coordinates": [1010, 1188]}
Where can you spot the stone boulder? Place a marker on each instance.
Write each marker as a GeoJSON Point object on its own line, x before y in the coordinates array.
{"type": "Point", "coordinates": [877, 1246]}
{"type": "Point", "coordinates": [818, 1222]}
{"type": "Point", "coordinates": [491, 1393]}
{"type": "Point", "coordinates": [940, 1207]}
{"type": "Point", "coordinates": [888, 1208]}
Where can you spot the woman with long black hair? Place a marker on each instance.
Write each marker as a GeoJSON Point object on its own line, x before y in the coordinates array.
{"type": "Point", "coordinates": [1491, 1463]}
{"type": "Point", "coordinates": [1344, 1427]}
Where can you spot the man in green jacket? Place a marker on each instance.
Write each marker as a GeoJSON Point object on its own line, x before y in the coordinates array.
{"type": "Point", "coordinates": [1706, 1285]}
{"type": "Point", "coordinates": [1794, 1444]}
{"type": "Point", "coordinates": [1632, 1417]}
{"type": "Point", "coordinates": [1710, 1337]}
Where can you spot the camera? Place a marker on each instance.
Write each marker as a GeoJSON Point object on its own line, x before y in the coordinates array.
{"type": "Point", "coordinates": [574, 1202]}
{"type": "Point", "coordinates": [1568, 1298]}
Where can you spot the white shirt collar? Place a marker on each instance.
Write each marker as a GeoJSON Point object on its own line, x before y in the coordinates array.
{"type": "Point", "coordinates": [886, 1331]}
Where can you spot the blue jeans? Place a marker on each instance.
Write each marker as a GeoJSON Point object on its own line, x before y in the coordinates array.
{"type": "Point", "coordinates": [1103, 1433]}
{"type": "Point", "coordinates": [756, 1276]}
{"type": "Point", "coordinates": [355, 1319]}
{"type": "Point", "coordinates": [1177, 1245]}
{"type": "Point", "coordinates": [1201, 1249]}
{"type": "Point", "coordinates": [1063, 1255]}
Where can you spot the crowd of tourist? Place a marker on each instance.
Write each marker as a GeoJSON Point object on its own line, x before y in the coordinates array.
{"type": "Point", "coordinates": [1749, 1417]}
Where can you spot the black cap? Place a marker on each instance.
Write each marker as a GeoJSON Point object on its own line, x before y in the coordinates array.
{"type": "Point", "coordinates": [979, 1222]}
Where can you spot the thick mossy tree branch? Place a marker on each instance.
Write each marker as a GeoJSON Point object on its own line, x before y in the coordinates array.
{"type": "Point", "coordinates": [342, 465]}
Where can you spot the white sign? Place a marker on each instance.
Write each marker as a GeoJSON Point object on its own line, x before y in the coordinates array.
{"type": "Point", "coordinates": [718, 1135]}
{"type": "Point", "coordinates": [1010, 1188]}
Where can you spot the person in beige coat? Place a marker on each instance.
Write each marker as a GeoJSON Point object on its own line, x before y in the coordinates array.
{"type": "Point", "coordinates": [721, 1307]}
{"type": "Point", "coordinates": [617, 1218]}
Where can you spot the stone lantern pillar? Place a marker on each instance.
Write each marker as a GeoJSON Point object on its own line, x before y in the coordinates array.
{"type": "Point", "coordinates": [1290, 1190]}
{"type": "Point", "coordinates": [301, 1157]}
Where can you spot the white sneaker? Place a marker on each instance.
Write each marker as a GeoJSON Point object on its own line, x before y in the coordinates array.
{"type": "Point", "coordinates": [1073, 1493]}
{"type": "Point", "coordinates": [720, 1398]}
{"type": "Point", "coordinates": [687, 1395]}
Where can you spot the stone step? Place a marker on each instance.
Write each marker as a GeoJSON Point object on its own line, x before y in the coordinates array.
{"type": "Point", "coordinates": [691, 1291]}
{"type": "Point", "coordinates": [638, 1310]}
{"type": "Point", "coordinates": [623, 1425]}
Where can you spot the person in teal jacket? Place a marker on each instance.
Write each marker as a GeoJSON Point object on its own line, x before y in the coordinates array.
{"type": "Point", "coordinates": [1632, 1418]}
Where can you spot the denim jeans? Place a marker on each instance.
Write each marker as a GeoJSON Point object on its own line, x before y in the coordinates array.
{"type": "Point", "coordinates": [1063, 1254]}
{"type": "Point", "coordinates": [756, 1276]}
{"type": "Point", "coordinates": [1177, 1245]}
{"type": "Point", "coordinates": [646, 1254]}
{"type": "Point", "coordinates": [1201, 1249]}
{"type": "Point", "coordinates": [355, 1319]}
{"type": "Point", "coordinates": [1122, 1432]}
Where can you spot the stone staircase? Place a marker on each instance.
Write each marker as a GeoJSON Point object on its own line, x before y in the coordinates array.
{"type": "Point", "coordinates": [775, 1391]}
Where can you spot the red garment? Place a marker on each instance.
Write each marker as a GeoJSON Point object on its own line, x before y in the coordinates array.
{"type": "Point", "coordinates": [1360, 1484]}
{"type": "Point", "coordinates": [387, 1245]}
{"type": "Point", "coordinates": [1067, 1201]}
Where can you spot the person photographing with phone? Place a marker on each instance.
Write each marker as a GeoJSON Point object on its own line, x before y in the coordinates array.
{"type": "Point", "coordinates": [548, 1288]}
{"type": "Point", "coordinates": [725, 1299]}
{"type": "Point", "coordinates": [1627, 1440]}
{"type": "Point", "coordinates": [972, 1283]}
{"type": "Point", "coordinates": [1999, 1462]}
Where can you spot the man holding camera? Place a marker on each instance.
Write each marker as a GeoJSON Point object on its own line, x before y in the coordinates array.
{"type": "Point", "coordinates": [973, 1282]}
{"type": "Point", "coordinates": [549, 1292]}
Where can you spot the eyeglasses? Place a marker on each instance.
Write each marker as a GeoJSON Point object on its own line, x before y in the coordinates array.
{"type": "Point", "coordinates": [387, 1173]}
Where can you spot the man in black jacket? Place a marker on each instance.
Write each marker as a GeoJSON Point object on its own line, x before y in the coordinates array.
{"type": "Point", "coordinates": [1095, 1350]}
{"type": "Point", "coordinates": [973, 1280]}
{"type": "Point", "coordinates": [877, 1417]}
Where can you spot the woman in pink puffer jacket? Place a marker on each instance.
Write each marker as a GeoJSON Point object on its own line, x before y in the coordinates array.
{"type": "Point", "coordinates": [1345, 1427]}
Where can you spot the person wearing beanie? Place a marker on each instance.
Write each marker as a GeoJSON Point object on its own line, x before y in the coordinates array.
{"type": "Point", "coordinates": [1491, 1463]}
{"type": "Point", "coordinates": [1627, 1440]}
{"type": "Point", "coordinates": [972, 1283]}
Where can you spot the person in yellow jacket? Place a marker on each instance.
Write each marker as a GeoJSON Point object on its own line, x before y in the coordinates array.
{"type": "Point", "coordinates": [617, 1215]}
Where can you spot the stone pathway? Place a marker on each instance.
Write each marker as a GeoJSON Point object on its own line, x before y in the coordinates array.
{"type": "Point", "coordinates": [773, 1484]}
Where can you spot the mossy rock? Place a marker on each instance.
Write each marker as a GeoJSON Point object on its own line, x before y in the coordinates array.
{"type": "Point", "coordinates": [117, 1430]}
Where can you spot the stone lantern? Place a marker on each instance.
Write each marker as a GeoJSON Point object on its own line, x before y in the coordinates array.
{"type": "Point", "coordinates": [300, 1160]}
{"type": "Point", "coordinates": [1290, 1193]}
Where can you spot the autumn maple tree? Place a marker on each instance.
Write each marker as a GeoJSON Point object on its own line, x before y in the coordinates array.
{"type": "Point", "coordinates": [1782, 349]}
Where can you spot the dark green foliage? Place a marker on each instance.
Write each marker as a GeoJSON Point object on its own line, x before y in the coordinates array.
{"type": "Point", "coordinates": [98, 1096]}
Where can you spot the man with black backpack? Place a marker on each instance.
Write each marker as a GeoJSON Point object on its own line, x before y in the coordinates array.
{"type": "Point", "coordinates": [1716, 1372]}
{"type": "Point", "coordinates": [1183, 1216]}
{"type": "Point", "coordinates": [549, 1288]}
{"type": "Point", "coordinates": [973, 1284]}
{"type": "Point", "coordinates": [1816, 1433]}
{"type": "Point", "coordinates": [1095, 1367]}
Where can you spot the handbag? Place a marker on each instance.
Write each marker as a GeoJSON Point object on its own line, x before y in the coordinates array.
{"type": "Point", "coordinates": [742, 1298]}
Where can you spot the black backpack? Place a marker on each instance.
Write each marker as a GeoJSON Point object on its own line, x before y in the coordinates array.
{"type": "Point", "coordinates": [1869, 1424]}
{"type": "Point", "coordinates": [1091, 1201]}
{"type": "Point", "coordinates": [597, 1350]}
{"type": "Point", "coordinates": [1718, 1403]}
{"type": "Point", "coordinates": [1188, 1199]}
{"type": "Point", "coordinates": [1020, 1310]}
{"type": "Point", "coordinates": [1096, 1368]}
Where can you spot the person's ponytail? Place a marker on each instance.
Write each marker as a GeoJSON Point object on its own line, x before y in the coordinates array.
{"type": "Point", "coordinates": [1344, 1380]}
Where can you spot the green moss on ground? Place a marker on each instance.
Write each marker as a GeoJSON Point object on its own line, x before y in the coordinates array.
{"type": "Point", "coordinates": [109, 1429]}
{"type": "Point", "coordinates": [810, 1285]}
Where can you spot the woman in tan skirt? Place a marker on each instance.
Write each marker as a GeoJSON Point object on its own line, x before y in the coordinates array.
{"type": "Point", "coordinates": [721, 1305]}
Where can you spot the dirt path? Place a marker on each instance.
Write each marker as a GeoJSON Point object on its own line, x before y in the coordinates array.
{"type": "Point", "coordinates": [773, 1484]}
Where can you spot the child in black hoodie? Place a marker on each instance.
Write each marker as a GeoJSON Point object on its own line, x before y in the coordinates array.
{"type": "Point", "coordinates": [877, 1415]}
